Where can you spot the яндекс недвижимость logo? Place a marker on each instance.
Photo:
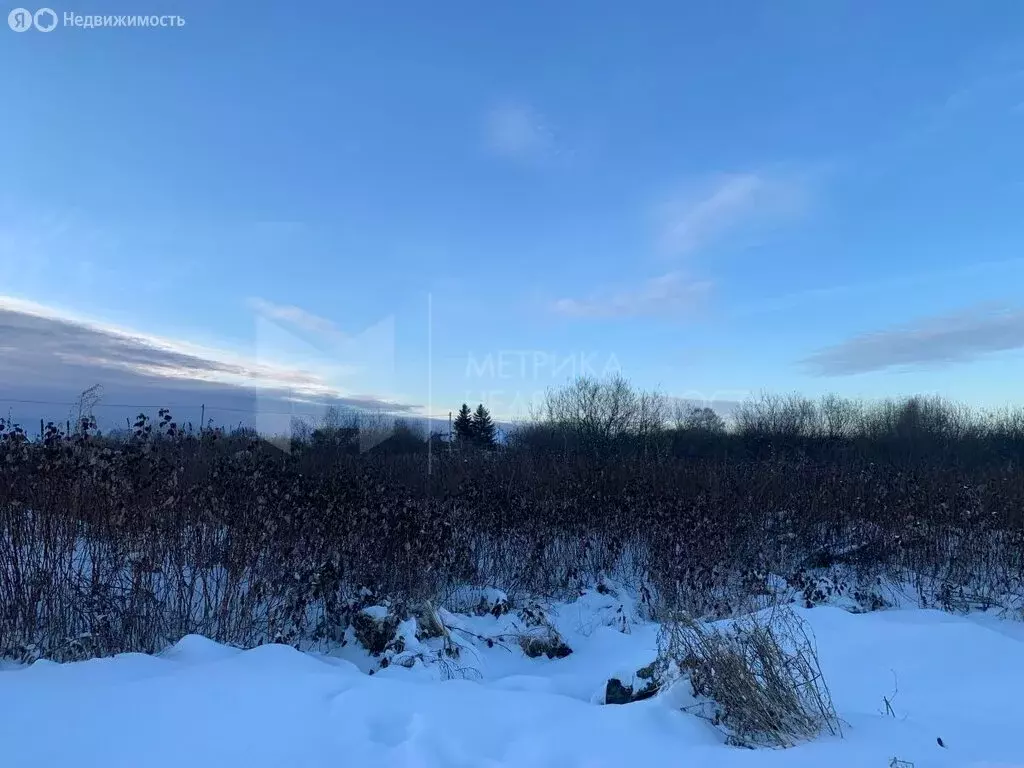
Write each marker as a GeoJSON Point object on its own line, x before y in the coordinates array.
{"type": "Point", "coordinates": [22, 19]}
{"type": "Point", "coordinates": [47, 20]}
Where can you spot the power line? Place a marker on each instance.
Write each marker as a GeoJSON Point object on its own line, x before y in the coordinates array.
{"type": "Point", "coordinates": [231, 409]}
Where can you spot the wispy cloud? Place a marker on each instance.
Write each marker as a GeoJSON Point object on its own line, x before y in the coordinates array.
{"type": "Point", "coordinates": [59, 353]}
{"type": "Point", "coordinates": [671, 293]}
{"type": "Point", "coordinates": [934, 341]}
{"type": "Point", "coordinates": [365, 358]}
{"type": "Point", "coordinates": [711, 211]}
{"type": "Point", "coordinates": [704, 214]}
{"type": "Point", "coordinates": [293, 315]}
{"type": "Point", "coordinates": [519, 132]}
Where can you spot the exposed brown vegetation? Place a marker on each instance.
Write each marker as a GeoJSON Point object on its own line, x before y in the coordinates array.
{"type": "Point", "coordinates": [114, 545]}
{"type": "Point", "coordinates": [758, 680]}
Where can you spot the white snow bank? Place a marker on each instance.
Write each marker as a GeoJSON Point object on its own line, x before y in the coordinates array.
{"type": "Point", "coordinates": [200, 704]}
{"type": "Point", "coordinates": [376, 611]}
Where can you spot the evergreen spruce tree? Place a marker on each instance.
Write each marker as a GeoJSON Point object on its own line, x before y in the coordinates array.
{"type": "Point", "coordinates": [464, 425]}
{"type": "Point", "coordinates": [483, 428]}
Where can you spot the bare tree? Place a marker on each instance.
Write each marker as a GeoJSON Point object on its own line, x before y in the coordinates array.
{"type": "Point", "coordinates": [696, 418]}
{"type": "Point", "coordinates": [777, 415]}
{"type": "Point", "coordinates": [839, 415]}
{"type": "Point", "coordinates": [599, 410]}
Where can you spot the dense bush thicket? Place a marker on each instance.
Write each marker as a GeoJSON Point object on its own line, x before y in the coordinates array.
{"type": "Point", "coordinates": [109, 545]}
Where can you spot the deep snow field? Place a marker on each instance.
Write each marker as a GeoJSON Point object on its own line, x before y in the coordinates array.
{"type": "Point", "coordinates": [199, 704]}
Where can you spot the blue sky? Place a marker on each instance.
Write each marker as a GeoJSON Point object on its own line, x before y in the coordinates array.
{"type": "Point", "coordinates": [427, 203]}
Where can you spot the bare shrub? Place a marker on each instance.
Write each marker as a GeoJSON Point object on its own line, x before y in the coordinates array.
{"type": "Point", "coordinates": [111, 545]}
{"type": "Point", "coordinates": [785, 416]}
{"type": "Point", "coordinates": [759, 680]}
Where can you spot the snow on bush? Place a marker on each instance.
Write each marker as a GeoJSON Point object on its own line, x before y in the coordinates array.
{"type": "Point", "coordinates": [758, 679]}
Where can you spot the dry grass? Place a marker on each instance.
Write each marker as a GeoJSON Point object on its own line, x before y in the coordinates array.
{"type": "Point", "coordinates": [111, 545]}
{"type": "Point", "coordinates": [759, 681]}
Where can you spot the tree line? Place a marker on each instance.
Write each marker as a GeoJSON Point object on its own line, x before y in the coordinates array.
{"type": "Point", "coordinates": [111, 545]}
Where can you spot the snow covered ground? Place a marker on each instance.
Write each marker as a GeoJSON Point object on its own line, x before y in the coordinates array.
{"type": "Point", "coordinates": [200, 704]}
